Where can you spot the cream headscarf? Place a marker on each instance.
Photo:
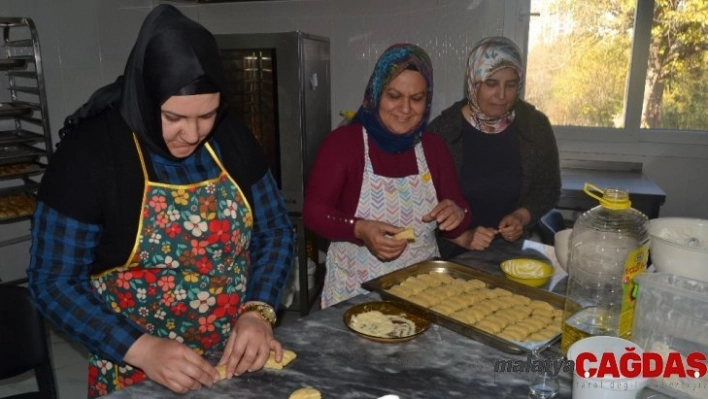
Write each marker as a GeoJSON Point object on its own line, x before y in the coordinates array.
{"type": "Point", "coordinates": [488, 56]}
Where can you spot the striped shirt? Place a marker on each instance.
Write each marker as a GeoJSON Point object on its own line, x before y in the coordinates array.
{"type": "Point", "coordinates": [62, 253]}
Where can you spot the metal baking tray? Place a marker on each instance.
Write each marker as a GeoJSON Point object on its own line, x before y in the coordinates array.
{"type": "Point", "coordinates": [9, 110]}
{"type": "Point", "coordinates": [19, 136]}
{"type": "Point", "coordinates": [7, 193]}
{"type": "Point", "coordinates": [17, 170]}
{"type": "Point", "coordinates": [456, 270]}
{"type": "Point", "coordinates": [12, 63]}
{"type": "Point", "coordinates": [19, 153]}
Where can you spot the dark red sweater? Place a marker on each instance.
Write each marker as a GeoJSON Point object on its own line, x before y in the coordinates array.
{"type": "Point", "coordinates": [334, 182]}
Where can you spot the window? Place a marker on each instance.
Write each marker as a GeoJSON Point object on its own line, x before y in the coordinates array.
{"type": "Point", "coordinates": [624, 68]}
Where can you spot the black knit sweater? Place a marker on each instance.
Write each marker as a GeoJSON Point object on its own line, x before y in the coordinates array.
{"type": "Point", "coordinates": [541, 181]}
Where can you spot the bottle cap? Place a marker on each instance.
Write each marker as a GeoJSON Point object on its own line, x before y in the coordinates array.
{"type": "Point", "coordinates": [612, 198]}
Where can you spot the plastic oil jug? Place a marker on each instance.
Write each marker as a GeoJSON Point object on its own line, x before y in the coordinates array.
{"type": "Point", "coordinates": [609, 245]}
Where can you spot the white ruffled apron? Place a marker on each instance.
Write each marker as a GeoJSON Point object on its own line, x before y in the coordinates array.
{"type": "Point", "coordinates": [400, 201]}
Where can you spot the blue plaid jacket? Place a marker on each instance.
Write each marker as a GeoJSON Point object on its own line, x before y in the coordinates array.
{"type": "Point", "coordinates": [62, 254]}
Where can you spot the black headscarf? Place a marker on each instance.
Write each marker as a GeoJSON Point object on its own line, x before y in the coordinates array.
{"type": "Point", "coordinates": [172, 52]}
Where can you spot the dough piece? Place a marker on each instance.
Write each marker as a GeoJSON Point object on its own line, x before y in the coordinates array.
{"type": "Point", "coordinates": [445, 308]}
{"type": "Point", "coordinates": [484, 308]}
{"type": "Point", "coordinates": [444, 277]}
{"type": "Point", "coordinates": [407, 234]}
{"type": "Point", "coordinates": [535, 324]}
{"type": "Point", "coordinates": [537, 337]}
{"type": "Point", "coordinates": [520, 327]}
{"type": "Point", "coordinates": [222, 371]}
{"type": "Point", "coordinates": [545, 313]}
{"type": "Point", "coordinates": [460, 281]}
{"type": "Point", "coordinates": [429, 280]}
{"type": "Point", "coordinates": [468, 299]}
{"type": "Point", "coordinates": [557, 314]}
{"type": "Point", "coordinates": [305, 393]}
{"type": "Point", "coordinates": [475, 284]}
{"type": "Point", "coordinates": [512, 335]}
{"type": "Point", "coordinates": [504, 318]}
{"type": "Point", "coordinates": [420, 300]}
{"type": "Point", "coordinates": [492, 304]}
{"type": "Point", "coordinates": [541, 305]}
{"type": "Point", "coordinates": [519, 299]}
{"type": "Point", "coordinates": [288, 356]}
{"type": "Point", "coordinates": [522, 310]}
{"type": "Point", "coordinates": [488, 325]}
{"type": "Point", "coordinates": [400, 291]}
{"type": "Point", "coordinates": [501, 292]}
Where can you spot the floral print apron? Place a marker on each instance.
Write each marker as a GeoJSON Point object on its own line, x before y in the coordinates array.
{"type": "Point", "coordinates": [187, 272]}
{"type": "Point", "coordinates": [400, 201]}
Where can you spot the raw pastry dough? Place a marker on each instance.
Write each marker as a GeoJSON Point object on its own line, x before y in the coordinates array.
{"type": "Point", "coordinates": [407, 234]}
{"type": "Point", "coordinates": [222, 371]}
{"type": "Point", "coordinates": [377, 324]}
{"type": "Point", "coordinates": [305, 393]}
{"type": "Point", "coordinates": [288, 356]}
{"type": "Point", "coordinates": [493, 309]}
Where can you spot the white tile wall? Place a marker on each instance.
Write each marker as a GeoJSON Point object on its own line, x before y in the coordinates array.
{"type": "Point", "coordinates": [85, 44]}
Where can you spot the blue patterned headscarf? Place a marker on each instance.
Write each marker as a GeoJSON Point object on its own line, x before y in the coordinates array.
{"type": "Point", "coordinates": [487, 57]}
{"type": "Point", "coordinates": [392, 62]}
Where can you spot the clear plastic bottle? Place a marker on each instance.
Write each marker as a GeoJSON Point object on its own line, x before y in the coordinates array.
{"type": "Point", "coordinates": [608, 247]}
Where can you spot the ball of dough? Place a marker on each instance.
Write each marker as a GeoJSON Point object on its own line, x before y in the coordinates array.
{"type": "Point", "coordinates": [305, 393]}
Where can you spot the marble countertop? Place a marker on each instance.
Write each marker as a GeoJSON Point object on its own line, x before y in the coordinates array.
{"type": "Point", "coordinates": [437, 364]}
{"type": "Point", "coordinates": [339, 363]}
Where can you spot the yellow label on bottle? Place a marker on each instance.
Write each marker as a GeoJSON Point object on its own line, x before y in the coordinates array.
{"type": "Point", "coordinates": [635, 265]}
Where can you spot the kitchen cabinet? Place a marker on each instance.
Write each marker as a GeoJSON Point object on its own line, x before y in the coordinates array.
{"type": "Point", "coordinates": [25, 136]}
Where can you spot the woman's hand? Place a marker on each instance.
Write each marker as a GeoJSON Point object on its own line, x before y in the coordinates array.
{"type": "Point", "coordinates": [482, 237]}
{"type": "Point", "coordinates": [447, 214]}
{"type": "Point", "coordinates": [171, 364]}
{"type": "Point", "coordinates": [377, 238]}
{"type": "Point", "coordinates": [512, 225]}
{"type": "Point", "coordinates": [477, 239]}
{"type": "Point", "coordinates": [249, 345]}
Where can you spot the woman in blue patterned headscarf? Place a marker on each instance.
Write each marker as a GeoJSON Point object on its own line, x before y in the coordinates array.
{"type": "Point", "coordinates": [396, 59]}
{"type": "Point", "coordinates": [504, 149]}
{"type": "Point", "coordinates": [381, 175]}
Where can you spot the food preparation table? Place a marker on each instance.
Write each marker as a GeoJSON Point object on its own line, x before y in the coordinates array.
{"type": "Point", "coordinates": [437, 364]}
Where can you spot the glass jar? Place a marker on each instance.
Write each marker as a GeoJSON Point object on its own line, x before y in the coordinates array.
{"type": "Point", "coordinates": [609, 245]}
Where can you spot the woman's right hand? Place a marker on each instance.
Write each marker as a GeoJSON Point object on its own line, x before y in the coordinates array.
{"type": "Point", "coordinates": [481, 238]}
{"type": "Point", "coordinates": [171, 364]}
{"type": "Point", "coordinates": [377, 238]}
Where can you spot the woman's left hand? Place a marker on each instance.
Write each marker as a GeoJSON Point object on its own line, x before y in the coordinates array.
{"type": "Point", "coordinates": [249, 345]}
{"type": "Point", "coordinates": [512, 225]}
{"type": "Point", "coordinates": [447, 214]}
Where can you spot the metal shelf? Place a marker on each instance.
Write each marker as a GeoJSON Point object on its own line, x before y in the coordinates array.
{"type": "Point", "coordinates": [24, 149]}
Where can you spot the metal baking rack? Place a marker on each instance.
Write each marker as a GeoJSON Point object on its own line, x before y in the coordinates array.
{"type": "Point", "coordinates": [25, 135]}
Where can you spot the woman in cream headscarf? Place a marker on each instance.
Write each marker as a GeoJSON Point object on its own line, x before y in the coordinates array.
{"type": "Point", "coordinates": [504, 149]}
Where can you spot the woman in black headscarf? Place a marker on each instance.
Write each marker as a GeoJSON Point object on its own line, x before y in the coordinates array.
{"type": "Point", "coordinates": [159, 232]}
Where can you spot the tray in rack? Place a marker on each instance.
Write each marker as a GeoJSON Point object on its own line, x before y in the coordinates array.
{"type": "Point", "coordinates": [457, 271]}
{"type": "Point", "coordinates": [16, 170]}
{"type": "Point", "coordinates": [19, 153]}
{"type": "Point", "coordinates": [10, 110]}
{"type": "Point", "coordinates": [16, 203]}
{"type": "Point", "coordinates": [12, 63]}
{"type": "Point", "coordinates": [19, 136]}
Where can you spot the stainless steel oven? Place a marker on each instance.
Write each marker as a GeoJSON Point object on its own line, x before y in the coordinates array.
{"type": "Point", "coordinates": [280, 87]}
